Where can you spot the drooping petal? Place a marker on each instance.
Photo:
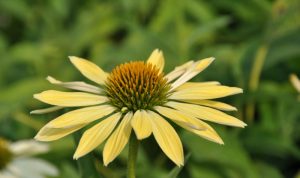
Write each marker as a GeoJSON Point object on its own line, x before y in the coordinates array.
{"type": "Point", "coordinates": [195, 69]}
{"type": "Point", "coordinates": [178, 71]}
{"type": "Point", "coordinates": [177, 116]}
{"type": "Point", "coordinates": [118, 140]}
{"type": "Point", "coordinates": [167, 138]}
{"type": "Point", "coordinates": [213, 104]}
{"type": "Point", "coordinates": [209, 133]}
{"type": "Point", "coordinates": [94, 136]}
{"type": "Point", "coordinates": [207, 113]}
{"type": "Point", "coordinates": [190, 123]}
{"type": "Point", "coordinates": [46, 110]}
{"type": "Point", "coordinates": [50, 134]}
{"type": "Point", "coordinates": [209, 92]}
{"type": "Point", "coordinates": [89, 70]}
{"type": "Point", "coordinates": [189, 85]}
{"type": "Point", "coordinates": [141, 124]}
{"type": "Point", "coordinates": [69, 99]}
{"type": "Point", "coordinates": [81, 116]}
{"type": "Point", "coordinates": [80, 86]}
{"type": "Point", "coordinates": [157, 58]}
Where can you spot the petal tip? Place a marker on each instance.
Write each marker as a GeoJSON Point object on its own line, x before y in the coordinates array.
{"type": "Point", "coordinates": [51, 79]}
{"type": "Point", "coordinates": [73, 58]}
{"type": "Point", "coordinates": [36, 96]}
{"type": "Point", "coordinates": [37, 137]}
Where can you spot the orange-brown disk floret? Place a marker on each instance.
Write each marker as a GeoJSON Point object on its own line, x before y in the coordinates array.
{"type": "Point", "coordinates": [136, 85]}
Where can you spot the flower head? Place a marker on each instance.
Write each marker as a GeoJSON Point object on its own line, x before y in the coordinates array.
{"type": "Point", "coordinates": [16, 160]}
{"type": "Point", "coordinates": [137, 96]}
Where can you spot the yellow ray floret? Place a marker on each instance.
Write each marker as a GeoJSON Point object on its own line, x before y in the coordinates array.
{"type": "Point", "coordinates": [118, 140]}
{"type": "Point", "coordinates": [70, 99]}
{"type": "Point", "coordinates": [167, 138]}
{"type": "Point", "coordinates": [81, 116]}
{"type": "Point", "coordinates": [207, 113]}
{"type": "Point", "coordinates": [89, 70]}
{"type": "Point", "coordinates": [157, 58]}
{"type": "Point", "coordinates": [141, 124]}
{"type": "Point", "coordinates": [94, 136]}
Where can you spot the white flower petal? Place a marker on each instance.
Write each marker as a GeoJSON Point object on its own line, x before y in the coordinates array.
{"type": "Point", "coordinates": [46, 110]}
{"type": "Point", "coordinates": [193, 70]}
{"type": "Point", "coordinates": [178, 71]}
{"type": "Point", "coordinates": [28, 147]}
{"type": "Point", "coordinates": [80, 86]}
{"type": "Point", "coordinates": [33, 168]}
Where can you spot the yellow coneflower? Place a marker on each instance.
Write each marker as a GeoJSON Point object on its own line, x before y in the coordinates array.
{"type": "Point", "coordinates": [137, 96]}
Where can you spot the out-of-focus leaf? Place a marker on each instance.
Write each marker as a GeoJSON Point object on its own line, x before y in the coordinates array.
{"type": "Point", "coordinates": [176, 170]}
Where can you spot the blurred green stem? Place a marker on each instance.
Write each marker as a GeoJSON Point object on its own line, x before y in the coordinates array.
{"type": "Point", "coordinates": [259, 61]}
{"type": "Point", "coordinates": [132, 156]}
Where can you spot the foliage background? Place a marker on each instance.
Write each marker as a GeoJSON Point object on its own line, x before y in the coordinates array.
{"type": "Point", "coordinates": [256, 43]}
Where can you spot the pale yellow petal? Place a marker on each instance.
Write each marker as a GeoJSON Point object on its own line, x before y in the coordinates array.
{"type": "Point", "coordinates": [208, 92]}
{"type": "Point", "coordinates": [167, 138]}
{"type": "Point", "coordinates": [295, 81]}
{"type": "Point", "coordinates": [180, 117]}
{"type": "Point", "coordinates": [206, 113]}
{"type": "Point", "coordinates": [209, 133]}
{"type": "Point", "coordinates": [157, 58]}
{"type": "Point", "coordinates": [191, 123]}
{"type": "Point", "coordinates": [193, 70]}
{"type": "Point", "coordinates": [94, 136]}
{"type": "Point", "coordinates": [213, 104]}
{"type": "Point", "coordinates": [89, 70]}
{"type": "Point", "coordinates": [141, 124]}
{"type": "Point", "coordinates": [81, 116]}
{"type": "Point", "coordinates": [118, 140]}
{"type": "Point", "coordinates": [189, 85]}
{"type": "Point", "coordinates": [49, 134]}
{"type": "Point", "coordinates": [80, 86]}
{"type": "Point", "coordinates": [70, 99]}
{"type": "Point", "coordinates": [178, 71]}
{"type": "Point", "coordinates": [46, 110]}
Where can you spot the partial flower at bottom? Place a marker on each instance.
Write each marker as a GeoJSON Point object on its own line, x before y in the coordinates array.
{"type": "Point", "coordinates": [16, 160]}
{"type": "Point", "coordinates": [137, 96]}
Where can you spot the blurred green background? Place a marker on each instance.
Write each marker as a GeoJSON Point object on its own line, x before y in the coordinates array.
{"type": "Point", "coordinates": [256, 44]}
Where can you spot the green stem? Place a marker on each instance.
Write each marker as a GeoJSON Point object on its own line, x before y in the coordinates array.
{"type": "Point", "coordinates": [132, 156]}
{"type": "Point", "coordinates": [255, 77]}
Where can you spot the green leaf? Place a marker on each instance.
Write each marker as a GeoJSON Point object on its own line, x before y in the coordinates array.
{"type": "Point", "coordinates": [176, 170]}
